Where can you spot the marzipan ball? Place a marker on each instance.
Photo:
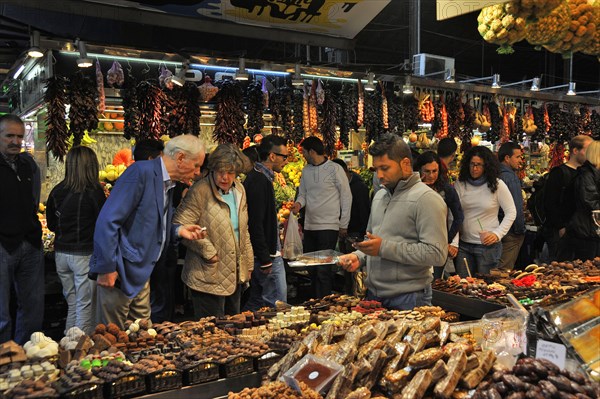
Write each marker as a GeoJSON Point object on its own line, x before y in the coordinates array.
{"type": "Point", "coordinates": [113, 329]}
{"type": "Point", "coordinates": [100, 329]}
{"type": "Point", "coordinates": [111, 338]}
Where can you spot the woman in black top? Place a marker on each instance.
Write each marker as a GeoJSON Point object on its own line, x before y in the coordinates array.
{"type": "Point", "coordinates": [73, 207]}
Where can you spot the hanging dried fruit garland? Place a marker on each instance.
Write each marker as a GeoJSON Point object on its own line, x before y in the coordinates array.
{"type": "Point", "coordinates": [83, 114]}
{"type": "Point", "coordinates": [594, 125]}
{"type": "Point", "coordinates": [255, 110]}
{"type": "Point", "coordinates": [329, 112]}
{"type": "Point", "coordinates": [455, 114]}
{"type": "Point", "coordinates": [466, 131]}
{"type": "Point", "coordinates": [440, 121]}
{"type": "Point", "coordinates": [557, 155]}
{"type": "Point", "coordinates": [100, 85]}
{"type": "Point", "coordinates": [229, 122]}
{"type": "Point", "coordinates": [297, 132]}
{"type": "Point", "coordinates": [360, 114]}
{"type": "Point", "coordinates": [182, 110]}
{"type": "Point", "coordinates": [538, 119]}
{"type": "Point", "coordinates": [131, 111]}
{"type": "Point", "coordinates": [395, 113]}
{"type": "Point", "coordinates": [496, 119]}
{"type": "Point", "coordinates": [313, 121]}
{"type": "Point", "coordinates": [281, 105]}
{"type": "Point", "coordinates": [384, 108]}
{"type": "Point", "coordinates": [373, 116]}
{"type": "Point", "coordinates": [346, 112]}
{"type": "Point", "coordinates": [56, 125]}
{"type": "Point", "coordinates": [411, 113]}
{"type": "Point", "coordinates": [151, 100]}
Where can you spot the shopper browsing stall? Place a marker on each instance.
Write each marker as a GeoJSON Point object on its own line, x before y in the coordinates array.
{"type": "Point", "coordinates": [406, 234]}
{"type": "Point", "coordinates": [218, 265]}
{"type": "Point", "coordinates": [73, 207]}
{"type": "Point", "coordinates": [482, 194]}
{"type": "Point", "coordinates": [21, 265]}
{"type": "Point", "coordinates": [510, 156]}
{"type": "Point", "coordinates": [135, 225]}
{"type": "Point", "coordinates": [268, 283]}
{"type": "Point", "coordinates": [325, 195]}
{"type": "Point", "coordinates": [429, 166]}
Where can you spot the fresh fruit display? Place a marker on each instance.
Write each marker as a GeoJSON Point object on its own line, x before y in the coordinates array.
{"type": "Point", "coordinates": [551, 28]}
{"type": "Point", "coordinates": [582, 29]}
{"type": "Point", "coordinates": [284, 213]}
{"type": "Point", "coordinates": [111, 172]}
{"type": "Point", "coordinates": [292, 172]}
{"type": "Point", "coordinates": [502, 24]}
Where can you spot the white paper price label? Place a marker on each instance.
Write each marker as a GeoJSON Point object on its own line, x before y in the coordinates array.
{"type": "Point", "coordinates": [556, 353]}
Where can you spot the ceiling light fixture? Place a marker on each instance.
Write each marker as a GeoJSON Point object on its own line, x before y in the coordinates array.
{"type": "Point", "coordinates": [179, 77]}
{"type": "Point", "coordinates": [241, 73]}
{"type": "Point", "coordinates": [83, 61]}
{"type": "Point", "coordinates": [571, 91]}
{"type": "Point", "coordinates": [496, 81]}
{"type": "Point", "coordinates": [535, 85]}
{"type": "Point", "coordinates": [35, 51]}
{"type": "Point", "coordinates": [449, 75]}
{"type": "Point", "coordinates": [19, 71]}
{"type": "Point", "coordinates": [407, 88]}
{"type": "Point", "coordinates": [297, 78]}
{"type": "Point", "coordinates": [370, 86]}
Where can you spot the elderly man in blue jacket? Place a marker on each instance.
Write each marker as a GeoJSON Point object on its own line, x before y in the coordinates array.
{"type": "Point", "coordinates": [135, 225]}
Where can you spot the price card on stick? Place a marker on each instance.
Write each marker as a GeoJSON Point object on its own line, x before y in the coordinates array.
{"type": "Point", "coordinates": [556, 353]}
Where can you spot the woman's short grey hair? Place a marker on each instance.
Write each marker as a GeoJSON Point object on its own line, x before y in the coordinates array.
{"type": "Point", "coordinates": [188, 144]}
{"type": "Point", "coordinates": [227, 157]}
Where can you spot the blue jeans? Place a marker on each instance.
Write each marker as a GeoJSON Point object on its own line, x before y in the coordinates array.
{"type": "Point", "coordinates": [78, 290]}
{"type": "Point", "coordinates": [481, 258]}
{"type": "Point", "coordinates": [407, 301]}
{"type": "Point", "coordinates": [25, 269]}
{"type": "Point", "coordinates": [266, 289]}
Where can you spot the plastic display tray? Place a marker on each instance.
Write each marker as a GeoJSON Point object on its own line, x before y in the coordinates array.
{"type": "Point", "coordinates": [237, 366]}
{"type": "Point", "coordinates": [126, 386]}
{"type": "Point", "coordinates": [163, 380]}
{"type": "Point", "coordinates": [463, 305]}
{"type": "Point", "coordinates": [200, 373]}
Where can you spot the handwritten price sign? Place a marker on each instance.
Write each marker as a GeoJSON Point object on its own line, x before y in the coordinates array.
{"type": "Point", "coordinates": [556, 353]}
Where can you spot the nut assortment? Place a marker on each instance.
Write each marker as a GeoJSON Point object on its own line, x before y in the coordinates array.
{"type": "Point", "coordinates": [275, 390]}
{"type": "Point", "coordinates": [537, 378]}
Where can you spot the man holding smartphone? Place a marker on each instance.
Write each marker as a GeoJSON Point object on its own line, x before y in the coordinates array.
{"type": "Point", "coordinates": [406, 234]}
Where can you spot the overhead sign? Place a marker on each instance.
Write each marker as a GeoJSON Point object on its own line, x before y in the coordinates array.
{"type": "Point", "coordinates": [452, 8]}
{"type": "Point", "coordinates": [340, 18]}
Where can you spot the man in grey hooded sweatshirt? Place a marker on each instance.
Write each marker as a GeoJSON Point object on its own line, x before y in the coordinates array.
{"type": "Point", "coordinates": [406, 234]}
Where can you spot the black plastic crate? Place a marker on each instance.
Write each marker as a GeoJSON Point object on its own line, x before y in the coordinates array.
{"type": "Point", "coordinates": [201, 372]}
{"type": "Point", "coordinates": [85, 391]}
{"type": "Point", "coordinates": [163, 380]}
{"type": "Point", "coordinates": [239, 365]}
{"type": "Point", "coordinates": [266, 360]}
{"type": "Point", "coordinates": [129, 385]}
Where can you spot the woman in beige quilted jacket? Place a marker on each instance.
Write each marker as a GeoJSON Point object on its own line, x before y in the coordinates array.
{"type": "Point", "coordinates": [217, 266]}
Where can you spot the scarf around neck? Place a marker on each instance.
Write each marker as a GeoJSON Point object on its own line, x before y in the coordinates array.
{"type": "Point", "coordinates": [477, 182]}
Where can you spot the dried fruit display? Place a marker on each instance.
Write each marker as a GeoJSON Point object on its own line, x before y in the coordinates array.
{"type": "Point", "coordinates": [115, 75]}
{"type": "Point", "coordinates": [328, 124]}
{"type": "Point", "coordinates": [229, 122]}
{"type": "Point", "coordinates": [281, 107]}
{"type": "Point", "coordinates": [207, 90]}
{"type": "Point", "coordinates": [411, 113]}
{"type": "Point", "coordinates": [131, 110]}
{"type": "Point", "coordinates": [100, 84]}
{"type": "Point", "coordinates": [150, 99]}
{"type": "Point", "coordinates": [440, 122]}
{"type": "Point", "coordinates": [426, 108]}
{"type": "Point", "coordinates": [254, 109]}
{"type": "Point", "coordinates": [466, 131]}
{"type": "Point", "coordinates": [594, 125]}
{"type": "Point", "coordinates": [373, 117]}
{"type": "Point", "coordinates": [395, 112]}
{"type": "Point", "coordinates": [345, 114]}
{"type": "Point", "coordinates": [297, 132]}
{"type": "Point", "coordinates": [56, 125]}
{"type": "Point", "coordinates": [455, 115]}
{"type": "Point", "coordinates": [384, 108]}
{"type": "Point", "coordinates": [497, 123]}
{"type": "Point", "coordinates": [83, 115]}
{"type": "Point", "coordinates": [551, 28]}
{"type": "Point", "coordinates": [537, 378]}
{"type": "Point", "coordinates": [502, 24]}
{"type": "Point", "coordinates": [582, 29]}
{"type": "Point", "coordinates": [183, 110]}
{"type": "Point", "coordinates": [313, 116]}
{"type": "Point", "coordinates": [593, 47]}
{"type": "Point", "coordinates": [360, 116]}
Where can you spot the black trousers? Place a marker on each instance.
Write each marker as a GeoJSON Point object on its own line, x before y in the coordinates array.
{"type": "Point", "coordinates": [321, 276]}
{"type": "Point", "coordinates": [206, 305]}
{"type": "Point", "coordinates": [162, 286]}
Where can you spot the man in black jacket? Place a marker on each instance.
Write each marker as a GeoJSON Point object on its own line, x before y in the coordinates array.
{"type": "Point", "coordinates": [268, 283]}
{"type": "Point", "coordinates": [559, 200]}
{"type": "Point", "coordinates": [21, 263]}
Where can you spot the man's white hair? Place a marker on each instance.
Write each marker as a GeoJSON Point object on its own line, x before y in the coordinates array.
{"type": "Point", "coordinates": [188, 144]}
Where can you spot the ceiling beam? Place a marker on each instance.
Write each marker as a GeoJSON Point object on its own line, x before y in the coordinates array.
{"type": "Point", "coordinates": [10, 9]}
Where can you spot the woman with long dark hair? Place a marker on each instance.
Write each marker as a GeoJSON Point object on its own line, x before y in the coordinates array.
{"type": "Point", "coordinates": [482, 194]}
{"type": "Point", "coordinates": [73, 207]}
{"type": "Point", "coordinates": [428, 164]}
